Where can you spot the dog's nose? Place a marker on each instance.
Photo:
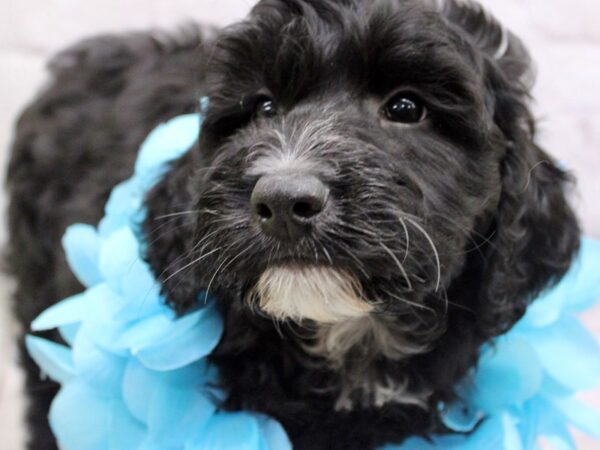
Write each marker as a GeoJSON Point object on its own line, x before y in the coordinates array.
{"type": "Point", "coordinates": [288, 205]}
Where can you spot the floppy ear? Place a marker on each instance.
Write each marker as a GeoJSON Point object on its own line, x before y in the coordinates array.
{"type": "Point", "coordinates": [536, 237]}
{"type": "Point", "coordinates": [535, 232]}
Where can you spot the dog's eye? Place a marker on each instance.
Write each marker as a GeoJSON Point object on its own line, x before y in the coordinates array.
{"type": "Point", "coordinates": [265, 107]}
{"type": "Point", "coordinates": [405, 108]}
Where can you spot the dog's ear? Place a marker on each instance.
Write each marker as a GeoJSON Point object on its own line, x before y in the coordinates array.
{"type": "Point", "coordinates": [535, 237]}
{"type": "Point", "coordinates": [495, 41]}
{"type": "Point", "coordinates": [535, 232]}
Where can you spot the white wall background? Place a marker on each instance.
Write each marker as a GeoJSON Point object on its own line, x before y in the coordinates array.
{"type": "Point", "coordinates": [563, 36]}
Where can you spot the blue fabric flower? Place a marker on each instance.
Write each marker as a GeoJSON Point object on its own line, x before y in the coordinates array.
{"type": "Point", "coordinates": [134, 376]}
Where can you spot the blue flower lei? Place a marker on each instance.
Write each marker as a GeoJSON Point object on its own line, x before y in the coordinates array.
{"type": "Point", "coordinates": [134, 376]}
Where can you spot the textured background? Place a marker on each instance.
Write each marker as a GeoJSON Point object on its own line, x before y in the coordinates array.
{"type": "Point", "coordinates": [563, 36]}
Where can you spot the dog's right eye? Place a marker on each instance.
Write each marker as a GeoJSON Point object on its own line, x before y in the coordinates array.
{"type": "Point", "coordinates": [265, 107]}
{"type": "Point", "coordinates": [405, 108]}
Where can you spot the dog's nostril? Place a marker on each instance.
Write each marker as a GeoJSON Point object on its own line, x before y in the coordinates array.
{"type": "Point", "coordinates": [400, 183]}
{"type": "Point", "coordinates": [307, 209]}
{"type": "Point", "coordinates": [263, 211]}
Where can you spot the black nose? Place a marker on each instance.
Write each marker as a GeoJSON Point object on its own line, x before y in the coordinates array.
{"type": "Point", "coordinates": [288, 205]}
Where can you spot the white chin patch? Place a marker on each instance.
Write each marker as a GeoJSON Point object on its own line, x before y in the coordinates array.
{"type": "Point", "coordinates": [322, 294]}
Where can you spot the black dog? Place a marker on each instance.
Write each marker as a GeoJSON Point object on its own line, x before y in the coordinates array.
{"type": "Point", "coordinates": [366, 201]}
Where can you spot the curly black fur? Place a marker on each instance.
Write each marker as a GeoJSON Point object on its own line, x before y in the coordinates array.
{"type": "Point", "coordinates": [466, 200]}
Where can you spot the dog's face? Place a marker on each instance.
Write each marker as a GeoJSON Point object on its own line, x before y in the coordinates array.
{"type": "Point", "coordinates": [375, 159]}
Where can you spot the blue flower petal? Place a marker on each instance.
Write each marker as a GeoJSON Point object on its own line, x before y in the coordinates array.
{"type": "Point", "coordinates": [80, 417]}
{"type": "Point", "coordinates": [229, 431]}
{"type": "Point", "coordinates": [461, 416]}
{"type": "Point", "coordinates": [125, 200]}
{"type": "Point", "coordinates": [117, 256]}
{"type": "Point", "coordinates": [508, 374]}
{"type": "Point", "coordinates": [177, 409]}
{"type": "Point", "coordinates": [54, 359]}
{"type": "Point", "coordinates": [582, 416]}
{"type": "Point", "coordinates": [528, 423]}
{"type": "Point", "coordinates": [275, 437]}
{"type": "Point", "coordinates": [152, 444]}
{"type": "Point", "coordinates": [139, 385]}
{"type": "Point", "coordinates": [102, 322]}
{"type": "Point", "coordinates": [586, 291]}
{"type": "Point", "coordinates": [152, 329]}
{"type": "Point", "coordinates": [66, 312]}
{"type": "Point", "coordinates": [569, 353]}
{"type": "Point", "coordinates": [512, 437]}
{"type": "Point", "coordinates": [82, 246]}
{"type": "Point", "coordinates": [69, 332]}
{"type": "Point", "coordinates": [129, 276]}
{"type": "Point", "coordinates": [554, 429]}
{"type": "Point", "coordinates": [125, 433]}
{"type": "Point", "coordinates": [102, 303]}
{"type": "Point", "coordinates": [186, 340]}
{"type": "Point", "coordinates": [98, 367]}
{"type": "Point", "coordinates": [552, 388]}
{"type": "Point", "coordinates": [166, 143]}
{"type": "Point", "coordinates": [142, 293]}
{"type": "Point", "coordinates": [577, 291]}
{"type": "Point", "coordinates": [106, 334]}
{"type": "Point", "coordinates": [545, 310]}
{"type": "Point", "coordinates": [196, 374]}
{"type": "Point", "coordinates": [562, 441]}
{"type": "Point", "coordinates": [488, 436]}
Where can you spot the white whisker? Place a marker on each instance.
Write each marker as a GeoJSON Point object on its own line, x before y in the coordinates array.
{"type": "Point", "coordinates": [186, 213]}
{"type": "Point", "coordinates": [433, 247]}
{"type": "Point", "coordinates": [408, 302]}
{"type": "Point", "coordinates": [223, 265]}
{"type": "Point", "coordinates": [327, 255]}
{"type": "Point", "coordinates": [407, 238]}
{"type": "Point", "coordinates": [400, 266]}
{"type": "Point", "coordinates": [191, 264]}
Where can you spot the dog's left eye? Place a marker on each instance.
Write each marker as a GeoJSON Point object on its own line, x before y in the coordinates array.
{"type": "Point", "coordinates": [265, 107]}
{"type": "Point", "coordinates": [405, 108]}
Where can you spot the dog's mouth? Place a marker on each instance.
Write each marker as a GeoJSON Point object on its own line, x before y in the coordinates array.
{"type": "Point", "coordinates": [295, 290]}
